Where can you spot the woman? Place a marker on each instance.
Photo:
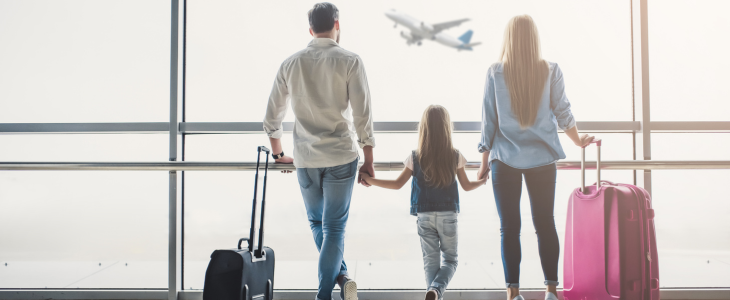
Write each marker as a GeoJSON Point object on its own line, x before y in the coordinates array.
{"type": "Point", "coordinates": [524, 100]}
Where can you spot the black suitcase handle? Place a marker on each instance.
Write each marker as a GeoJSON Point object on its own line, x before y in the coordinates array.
{"type": "Point", "coordinates": [251, 239]}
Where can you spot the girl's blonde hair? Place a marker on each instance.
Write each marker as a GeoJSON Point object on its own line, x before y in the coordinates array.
{"type": "Point", "coordinates": [435, 152]}
{"type": "Point", "coordinates": [525, 71]}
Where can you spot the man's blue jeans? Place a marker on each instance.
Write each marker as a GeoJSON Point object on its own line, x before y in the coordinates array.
{"type": "Point", "coordinates": [327, 193]}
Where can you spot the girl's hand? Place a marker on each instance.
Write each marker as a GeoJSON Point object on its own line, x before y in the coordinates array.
{"type": "Point", "coordinates": [585, 140]}
{"type": "Point", "coordinates": [365, 177]}
{"type": "Point", "coordinates": [483, 174]}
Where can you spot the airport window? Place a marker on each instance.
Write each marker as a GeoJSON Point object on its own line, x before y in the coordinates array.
{"type": "Point", "coordinates": [64, 61]}
{"type": "Point", "coordinates": [90, 62]}
{"type": "Point", "coordinates": [231, 62]}
{"type": "Point", "coordinates": [694, 44]}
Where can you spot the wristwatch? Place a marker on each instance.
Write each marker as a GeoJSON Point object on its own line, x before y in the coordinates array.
{"type": "Point", "coordinates": [277, 156]}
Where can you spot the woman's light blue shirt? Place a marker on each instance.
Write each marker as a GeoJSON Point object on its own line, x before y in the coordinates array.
{"type": "Point", "coordinates": [535, 146]}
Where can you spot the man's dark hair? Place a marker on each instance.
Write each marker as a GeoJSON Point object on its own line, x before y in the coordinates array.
{"type": "Point", "coordinates": [322, 17]}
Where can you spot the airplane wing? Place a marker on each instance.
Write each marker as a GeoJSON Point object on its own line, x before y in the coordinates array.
{"type": "Point", "coordinates": [446, 25]}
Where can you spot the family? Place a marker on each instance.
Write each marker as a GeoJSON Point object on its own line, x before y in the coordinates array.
{"type": "Point", "coordinates": [524, 104]}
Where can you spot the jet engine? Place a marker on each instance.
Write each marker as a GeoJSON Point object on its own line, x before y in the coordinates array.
{"type": "Point", "coordinates": [406, 35]}
{"type": "Point", "coordinates": [426, 27]}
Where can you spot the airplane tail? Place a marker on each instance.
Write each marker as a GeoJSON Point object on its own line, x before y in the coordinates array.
{"type": "Point", "coordinates": [469, 46]}
{"type": "Point", "coordinates": [466, 37]}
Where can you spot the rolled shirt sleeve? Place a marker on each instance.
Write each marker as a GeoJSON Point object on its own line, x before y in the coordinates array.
{"type": "Point", "coordinates": [489, 114]}
{"type": "Point", "coordinates": [278, 104]}
{"type": "Point", "coordinates": [359, 95]}
{"type": "Point", "coordinates": [559, 101]}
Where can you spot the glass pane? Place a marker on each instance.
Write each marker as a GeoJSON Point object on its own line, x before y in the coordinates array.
{"type": "Point", "coordinates": [397, 146]}
{"type": "Point", "coordinates": [693, 230]}
{"type": "Point", "coordinates": [231, 65]}
{"type": "Point", "coordinates": [84, 61]}
{"type": "Point", "coordinates": [84, 147]}
{"type": "Point", "coordinates": [688, 60]}
{"type": "Point", "coordinates": [690, 146]}
{"type": "Point", "coordinates": [383, 249]}
{"type": "Point", "coordinates": [83, 229]}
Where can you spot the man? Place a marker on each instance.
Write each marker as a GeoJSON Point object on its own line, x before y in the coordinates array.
{"type": "Point", "coordinates": [329, 95]}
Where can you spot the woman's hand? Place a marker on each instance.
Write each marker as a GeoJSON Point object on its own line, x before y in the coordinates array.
{"type": "Point", "coordinates": [585, 140]}
{"type": "Point", "coordinates": [484, 168]}
{"type": "Point", "coordinates": [483, 173]}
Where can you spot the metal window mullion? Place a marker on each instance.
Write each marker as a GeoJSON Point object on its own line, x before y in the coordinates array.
{"type": "Point", "coordinates": [645, 96]}
{"type": "Point", "coordinates": [172, 211]}
{"type": "Point", "coordinates": [182, 173]}
{"type": "Point", "coordinates": [256, 127]}
{"type": "Point", "coordinates": [640, 76]}
{"type": "Point", "coordinates": [379, 165]}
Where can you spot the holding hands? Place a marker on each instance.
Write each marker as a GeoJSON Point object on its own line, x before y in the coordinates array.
{"type": "Point", "coordinates": [366, 172]}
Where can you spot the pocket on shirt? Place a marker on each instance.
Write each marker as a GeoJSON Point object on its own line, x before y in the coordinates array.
{"type": "Point", "coordinates": [303, 177]}
{"type": "Point", "coordinates": [450, 227]}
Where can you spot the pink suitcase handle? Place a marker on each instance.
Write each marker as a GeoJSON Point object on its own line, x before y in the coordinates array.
{"type": "Point", "coordinates": [583, 166]}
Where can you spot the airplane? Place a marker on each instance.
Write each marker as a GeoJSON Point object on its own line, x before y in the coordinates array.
{"type": "Point", "coordinates": [420, 30]}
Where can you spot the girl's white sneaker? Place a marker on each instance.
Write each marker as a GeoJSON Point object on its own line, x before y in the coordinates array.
{"type": "Point", "coordinates": [518, 297]}
{"type": "Point", "coordinates": [550, 296]}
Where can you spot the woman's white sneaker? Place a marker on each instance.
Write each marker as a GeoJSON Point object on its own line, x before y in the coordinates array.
{"type": "Point", "coordinates": [550, 296]}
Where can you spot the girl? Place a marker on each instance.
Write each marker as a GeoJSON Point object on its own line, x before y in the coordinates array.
{"type": "Point", "coordinates": [524, 104]}
{"type": "Point", "coordinates": [434, 196]}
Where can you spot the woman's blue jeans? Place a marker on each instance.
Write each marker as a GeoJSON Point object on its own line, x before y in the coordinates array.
{"type": "Point", "coordinates": [507, 184]}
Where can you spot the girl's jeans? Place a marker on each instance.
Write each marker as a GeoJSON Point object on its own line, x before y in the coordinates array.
{"type": "Point", "coordinates": [439, 237]}
{"type": "Point", "coordinates": [507, 184]}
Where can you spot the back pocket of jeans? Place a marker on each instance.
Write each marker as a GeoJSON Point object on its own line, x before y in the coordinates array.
{"type": "Point", "coordinates": [303, 177]}
{"type": "Point", "coordinates": [343, 171]}
{"type": "Point", "coordinates": [450, 227]}
{"type": "Point", "coordinates": [422, 223]}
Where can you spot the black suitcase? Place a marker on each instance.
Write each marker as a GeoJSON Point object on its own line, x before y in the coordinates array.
{"type": "Point", "coordinates": [248, 273]}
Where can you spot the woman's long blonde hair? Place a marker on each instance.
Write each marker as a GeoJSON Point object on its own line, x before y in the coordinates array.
{"type": "Point", "coordinates": [525, 71]}
{"type": "Point", "coordinates": [435, 153]}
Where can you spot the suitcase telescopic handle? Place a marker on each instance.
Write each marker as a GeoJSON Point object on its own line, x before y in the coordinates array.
{"type": "Point", "coordinates": [583, 165]}
{"type": "Point", "coordinates": [251, 238]}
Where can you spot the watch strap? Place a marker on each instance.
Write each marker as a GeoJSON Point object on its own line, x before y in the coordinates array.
{"type": "Point", "coordinates": [277, 156]}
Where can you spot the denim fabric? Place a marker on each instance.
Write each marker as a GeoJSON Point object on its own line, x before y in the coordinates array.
{"type": "Point", "coordinates": [439, 232]}
{"type": "Point", "coordinates": [425, 198]}
{"type": "Point", "coordinates": [534, 146]}
{"type": "Point", "coordinates": [327, 193]}
{"type": "Point", "coordinates": [507, 185]}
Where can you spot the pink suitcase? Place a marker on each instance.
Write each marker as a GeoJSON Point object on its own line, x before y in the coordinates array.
{"type": "Point", "coordinates": [610, 245]}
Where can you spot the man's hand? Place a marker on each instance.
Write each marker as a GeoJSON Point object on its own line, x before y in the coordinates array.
{"type": "Point", "coordinates": [285, 160]}
{"type": "Point", "coordinates": [276, 149]}
{"type": "Point", "coordinates": [367, 168]}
